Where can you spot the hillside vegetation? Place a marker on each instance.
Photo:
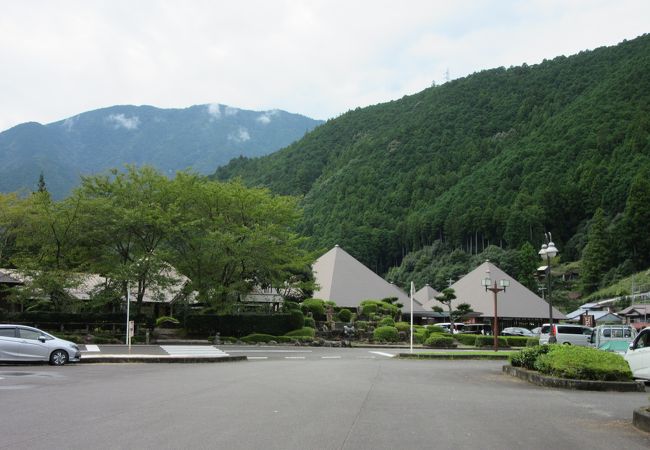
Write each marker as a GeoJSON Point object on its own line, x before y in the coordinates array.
{"type": "Point", "coordinates": [495, 158]}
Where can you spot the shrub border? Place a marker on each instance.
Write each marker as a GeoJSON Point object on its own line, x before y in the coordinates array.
{"type": "Point", "coordinates": [539, 379]}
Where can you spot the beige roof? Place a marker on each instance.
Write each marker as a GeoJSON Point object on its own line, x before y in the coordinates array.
{"type": "Point", "coordinates": [427, 297]}
{"type": "Point", "coordinates": [347, 282]}
{"type": "Point", "coordinates": [517, 301]}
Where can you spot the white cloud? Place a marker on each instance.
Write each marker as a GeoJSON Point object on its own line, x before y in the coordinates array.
{"type": "Point", "coordinates": [121, 121]}
{"type": "Point", "coordinates": [241, 135]}
{"type": "Point", "coordinates": [315, 57]}
{"type": "Point", "coordinates": [265, 117]}
{"type": "Point", "coordinates": [215, 111]}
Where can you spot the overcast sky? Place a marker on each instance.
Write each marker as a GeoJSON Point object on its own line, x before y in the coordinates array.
{"type": "Point", "coordinates": [318, 58]}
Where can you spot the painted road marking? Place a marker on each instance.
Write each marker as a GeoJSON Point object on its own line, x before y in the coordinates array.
{"type": "Point", "coordinates": [193, 350]}
{"type": "Point", "coordinates": [92, 348]}
{"type": "Point", "coordinates": [330, 357]}
{"type": "Point", "coordinates": [294, 357]}
{"type": "Point", "coordinates": [383, 354]}
{"type": "Point", "coordinates": [258, 357]}
{"type": "Point", "coordinates": [270, 351]}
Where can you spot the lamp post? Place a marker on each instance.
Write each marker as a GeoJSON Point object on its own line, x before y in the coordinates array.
{"type": "Point", "coordinates": [489, 286]}
{"type": "Point", "coordinates": [548, 252]}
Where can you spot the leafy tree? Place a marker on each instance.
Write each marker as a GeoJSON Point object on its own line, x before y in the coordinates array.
{"type": "Point", "coordinates": [461, 312]}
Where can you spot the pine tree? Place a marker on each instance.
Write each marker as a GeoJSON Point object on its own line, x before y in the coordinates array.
{"type": "Point", "coordinates": [596, 255]}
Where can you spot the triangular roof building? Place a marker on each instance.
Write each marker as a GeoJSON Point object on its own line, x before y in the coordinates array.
{"type": "Point", "coordinates": [427, 297]}
{"type": "Point", "coordinates": [517, 302]}
{"type": "Point", "coordinates": [347, 282]}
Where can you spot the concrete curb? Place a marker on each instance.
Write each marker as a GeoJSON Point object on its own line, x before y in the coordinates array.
{"type": "Point", "coordinates": [158, 359]}
{"type": "Point", "coordinates": [641, 418]}
{"type": "Point", "coordinates": [449, 356]}
{"type": "Point", "coordinates": [581, 385]}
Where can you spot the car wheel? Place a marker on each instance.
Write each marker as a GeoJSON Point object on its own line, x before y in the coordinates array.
{"type": "Point", "coordinates": [58, 358]}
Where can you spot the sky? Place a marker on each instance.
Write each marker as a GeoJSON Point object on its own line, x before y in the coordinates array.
{"type": "Point", "coordinates": [319, 58]}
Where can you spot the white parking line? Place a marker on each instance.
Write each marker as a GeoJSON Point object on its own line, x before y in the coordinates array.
{"type": "Point", "coordinates": [294, 357]}
{"type": "Point", "coordinates": [92, 348]}
{"type": "Point", "coordinates": [383, 354]}
{"type": "Point", "coordinates": [257, 357]}
{"type": "Point", "coordinates": [330, 357]}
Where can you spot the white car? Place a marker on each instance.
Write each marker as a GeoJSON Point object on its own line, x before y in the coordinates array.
{"type": "Point", "coordinates": [638, 355]}
{"type": "Point", "coordinates": [567, 334]}
{"type": "Point", "coordinates": [19, 343]}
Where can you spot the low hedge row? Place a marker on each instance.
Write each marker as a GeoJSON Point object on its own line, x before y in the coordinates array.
{"type": "Point", "coordinates": [243, 324]}
{"type": "Point", "coordinates": [573, 362]}
{"type": "Point", "coordinates": [439, 340]}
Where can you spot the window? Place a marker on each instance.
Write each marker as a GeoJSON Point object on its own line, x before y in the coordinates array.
{"type": "Point", "coordinates": [28, 334]}
{"type": "Point", "coordinates": [8, 332]}
{"type": "Point", "coordinates": [643, 340]}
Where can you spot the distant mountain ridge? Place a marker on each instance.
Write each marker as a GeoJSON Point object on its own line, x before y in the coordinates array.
{"type": "Point", "coordinates": [201, 137]}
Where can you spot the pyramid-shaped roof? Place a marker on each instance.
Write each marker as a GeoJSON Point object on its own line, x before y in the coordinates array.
{"type": "Point", "coordinates": [517, 301]}
{"type": "Point", "coordinates": [347, 282]}
{"type": "Point", "coordinates": [427, 297]}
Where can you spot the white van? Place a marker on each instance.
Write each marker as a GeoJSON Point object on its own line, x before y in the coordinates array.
{"type": "Point", "coordinates": [567, 334]}
{"type": "Point", "coordinates": [612, 338]}
{"type": "Point", "coordinates": [638, 355]}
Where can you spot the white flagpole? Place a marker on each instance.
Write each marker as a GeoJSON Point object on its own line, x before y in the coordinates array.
{"type": "Point", "coordinates": [412, 289]}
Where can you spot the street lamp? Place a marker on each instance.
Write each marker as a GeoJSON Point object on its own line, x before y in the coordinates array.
{"type": "Point", "coordinates": [489, 286]}
{"type": "Point", "coordinates": [548, 252]}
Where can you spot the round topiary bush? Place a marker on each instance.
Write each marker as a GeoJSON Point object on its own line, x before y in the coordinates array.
{"type": "Point", "coordinates": [435, 329]}
{"type": "Point", "coordinates": [526, 358]}
{"type": "Point", "coordinates": [386, 322]}
{"type": "Point", "coordinates": [309, 322]}
{"type": "Point", "coordinates": [439, 340]}
{"type": "Point", "coordinates": [386, 334]}
{"type": "Point", "coordinates": [314, 306]}
{"type": "Point", "coordinates": [361, 325]}
{"type": "Point", "coordinates": [344, 315]}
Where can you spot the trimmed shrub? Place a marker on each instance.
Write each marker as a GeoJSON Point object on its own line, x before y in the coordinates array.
{"type": "Point", "coordinates": [386, 334]}
{"type": "Point", "coordinates": [583, 363]}
{"type": "Point", "coordinates": [435, 329]}
{"type": "Point", "coordinates": [305, 332]}
{"type": "Point", "coordinates": [488, 341]}
{"type": "Point", "coordinates": [258, 338]}
{"type": "Point", "coordinates": [403, 326]}
{"type": "Point", "coordinates": [517, 341]}
{"type": "Point", "coordinates": [439, 340]}
{"type": "Point", "coordinates": [420, 335]}
{"type": "Point", "coordinates": [314, 306]}
{"type": "Point", "coordinates": [386, 322]}
{"type": "Point", "coordinates": [361, 325]}
{"type": "Point", "coordinates": [164, 321]}
{"type": "Point", "coordinates": [309, 322]}
{"type": "Point", "coordinates": [466, 339]}
{"type": "Point", "coordinates": [369, 307]}
{"type": "Point", "coordinates": [344, 315]}
{"type": "Point", "coordinates": [526, 358]}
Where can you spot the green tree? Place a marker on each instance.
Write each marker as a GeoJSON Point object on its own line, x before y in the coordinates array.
{"type": "Point", "coordinates": [527, 263]}
{"type": "Point", "coordinates": [596, 256]}
{"type": "Point", "coordinates": [461, 312]}
{"type": "Point", "coordinates": [446, 297]}
{"type": "Point", "coordinates": [636, 219]}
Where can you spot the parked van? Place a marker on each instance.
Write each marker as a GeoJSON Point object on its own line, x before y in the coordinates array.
{"type": "Point", "coordinates": [477, 328]}
{"type": "Point", "coordinates": [638, 355]}
{"type": "Point", "coordinates": [567, 334]}
{"type": "Point", "coordinates": [612, 338]}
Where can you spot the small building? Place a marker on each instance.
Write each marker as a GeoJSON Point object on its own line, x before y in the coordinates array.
{"type": "Point", "coordinates": [636, 315]}
{"type": "Point", "coordinates": [601, 314]}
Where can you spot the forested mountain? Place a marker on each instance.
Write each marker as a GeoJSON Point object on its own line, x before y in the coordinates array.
{"type": "Point", "coordinates": [201, 137]}
{"type": "Point", "coordinates": [497, 157]}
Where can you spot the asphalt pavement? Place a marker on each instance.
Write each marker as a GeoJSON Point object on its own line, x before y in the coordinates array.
{"type": "Point", "coordinates": [361, 400]}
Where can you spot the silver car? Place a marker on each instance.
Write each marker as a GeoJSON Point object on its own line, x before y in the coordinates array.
{"type": "Point", "coordinates": [21, 343]}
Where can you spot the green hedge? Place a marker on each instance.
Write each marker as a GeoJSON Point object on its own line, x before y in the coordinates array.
{"type": "Point", "coordinates": [488, 341]}
{"type": "Point", "coordinates": [435, 329]}
{"type": "Point", "coordinates": [304, 332]}
{"type": "Point", "coordinates": [386, 334]}
{"type": "Point", "coordinates": [583, 363]}
{"type": "Point", "coordinates": [439, 340]}
{"type": "Point", "coordinates": [309, 322]}
{"type": "Point", "coordinates": [56, 319]}
{"type": "Point", "coordinates": [517, 341]}
{"type": "Point", "coordinates": [466, 339]}
{"type": "Point", "coordinates": [403, 326]}
{"type": "Point", "coordinates": [526, 358]}
{"type": "Point", "coordinates": [243, 324]}
{"type": "Point", "coordinates": [344, 315]}
{"type": "Point", "coordinates": [386, 322]}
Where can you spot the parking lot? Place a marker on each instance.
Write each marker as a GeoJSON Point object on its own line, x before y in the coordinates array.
{"type": "Point", "coordinates": [352, 402]}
